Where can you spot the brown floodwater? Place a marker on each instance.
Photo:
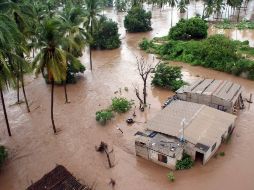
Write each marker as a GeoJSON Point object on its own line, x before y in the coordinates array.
{"type": "Point", "coordinates": [34, 150]}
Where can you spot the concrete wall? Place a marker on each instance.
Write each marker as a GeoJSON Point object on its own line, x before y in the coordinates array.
{"type": "Point", "coordinates": [142, 151]}
{"type": "Point", "coordinates": [171, 162]}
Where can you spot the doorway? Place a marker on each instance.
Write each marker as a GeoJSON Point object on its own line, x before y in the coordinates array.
{"type": "Point", "coordinates": [199, 157]}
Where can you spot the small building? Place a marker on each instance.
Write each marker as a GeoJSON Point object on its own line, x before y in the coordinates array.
{"type": "Point", "coordinates": [158, 148]}
{"type": "Point", "coordinates": [58, 179]}
{"type": "Point", "coordinates": [219, 94]}
{"type": "Point", "coordinates": [193, 128]}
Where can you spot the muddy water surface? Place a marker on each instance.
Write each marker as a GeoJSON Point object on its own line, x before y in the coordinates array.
{"type": "Point", "coordinates": [34, 150]}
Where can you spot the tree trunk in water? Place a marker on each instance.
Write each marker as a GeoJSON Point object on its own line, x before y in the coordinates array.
{"type": "Point", "coordinates": [171, 16]}
{"type": "Point", "coordinates": [23, 88]}
{"type": "Point", "coordinates": [238, 16]}
{"type": "Point", "coordinates": [144, 92]}
{"type": "Point", "coordinates": [90, 52]}
{"type": "Point", "coordinates": [65, 92]}
{"type": "Point", "coordinates": [90, 48]}
{"type": "Point", "coordinates": [5, 113]}
{"type": "Point", "coordinates": [109, 162]}
{"type": "Point", "coordinates": [52, 105]}
{"type": "Point", "coordinates": [18, 99]}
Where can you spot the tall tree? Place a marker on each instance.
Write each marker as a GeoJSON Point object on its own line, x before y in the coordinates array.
{"type": "Point", "coordinates": [93, 8]}
{"type": "Point", "coordinates": [9, 35]}
{"type": "Point", "coordinates": [51, 57]}
{"type": "Point", "coordinates": [74, 37]}
{"type": "Point", "coordinates": [172, 4]}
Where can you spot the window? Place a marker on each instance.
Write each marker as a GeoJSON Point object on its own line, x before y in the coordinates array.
{"type": "Point", "coordinates": [213, 147]}
{"type": "Point", "coordinates": [162, 158]}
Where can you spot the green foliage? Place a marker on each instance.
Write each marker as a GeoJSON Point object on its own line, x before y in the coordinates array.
{"type": "Point", "coordinates": [121, 5]}
{"type": "Point", "coordinates": [103, 116]}
{"type": "Point", "coordinates": [185, 163]}
{"type": "Point", "coordinates": [144, 44]}
{"type": "Point", "coordinates": [194, 28]}
{"type": "Point", "coordinates": [72, 70]}
{"type": "Point", "coordinates": [3, 155]}
{"type": "Point", "coordinates": [226, 24]}
{"type": "Point", "coordinates": [222, 153]}
{"type": "Point", "coordinates": [171, 176]}
{"type": "Point", "coordinates": [106, 35]}
{"type": "Point", "coordinates": [168, 77]}
{"type": "Point", "coordinates": [121, 105]}
{"type": "Point", "coordinates": [138, 20]}
{"type": "Point", "coordinates": [217, 52]}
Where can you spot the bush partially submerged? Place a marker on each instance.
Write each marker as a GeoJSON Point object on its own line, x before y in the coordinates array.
{"type": "Point", "coordinates": [103, 116]}
{"type": "Point", "coordinates": [217, 52]}
{"type": "Point", "coordinates": [73, 69]}
{"type": "Point", "coordinates": [144, 44]}
{"type": "Point", "coordinates": [138, 20]}
{"type": "Point", "coordinates": [185, 163]}
{"type": "Point", "coordinates": [193, 28]}
{"type": "Point", "coordinates": [106, 35]}
{"type": "Point", "coordinates": [3, 155]}
{"type": "Point", "coordinates": [171, 176]}
{"type": "Point", "coordinates": [168, 77]}
{"type": "Point", "coordinates": [121, 105]}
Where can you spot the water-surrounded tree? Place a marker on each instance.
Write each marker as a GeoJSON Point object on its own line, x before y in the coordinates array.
{"type": "Point", "coordinates": [93, 8]}
{"type": "Point", "coordinates": [172, 4]}
{"type": "Point", "coordinates": [9, 35]}
{"type": "Point", "coordinates": [51, 57]}
{"type": "Point", "coordinates": [22, 13]}
{"type": "Point", "coordinates": [74, 37]}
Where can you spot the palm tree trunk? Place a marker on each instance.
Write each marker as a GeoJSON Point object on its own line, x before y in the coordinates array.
{"type": "Point", "coordinates": [90, 48]}
{"type": "Point", "coordinates": [90, 52]}
{"type": "Point", "coordinates": [18, 98]}
{"type": "Point", "coordinates": [171, 16]}
{"type": "Point", "coordinates": [52, 105]}
{"type": "Point", "coordinates": [65, 92]}
{"type": "Point", "coordinates": [23, 88]}
{"type": "Point", "coordinates": [5, 113]}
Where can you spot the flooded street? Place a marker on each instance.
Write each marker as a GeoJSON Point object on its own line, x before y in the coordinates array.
{"type": "Point", "coordinates": [34, 150]}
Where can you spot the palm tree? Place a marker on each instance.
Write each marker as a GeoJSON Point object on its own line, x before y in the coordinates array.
{"type": "Point", "coordinates": [51, 57]}
{"type": "Point", "coordinates": [74, 38]}
{"type": "Point", "coordinates": [22, 13]}
{"type": "Point", "coordinates": [92, 12]}
{"type": "Point", "coordinates": [9, 35]}
{"type": "Point", "coordinates": [172, 4]}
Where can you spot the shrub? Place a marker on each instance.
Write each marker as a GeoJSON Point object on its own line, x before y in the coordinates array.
{"type": "Point", "coordinates": [121, 105]}
{"type": "Point", "coordinates": [217, 52]}
{"type": "Point", "coordinates": [106, 35]}
{"type": "Point", "coordinates": [194, 28]}
{"type": "Point", "coordinates": [168, 77]}
{"type": "Point", "coordinates": [171, 176]}
{"type": "Point", "coordinates": [138, 20]}
{"type": "Point", "coordinates": [222, 153]}
{"type": "Point", "coordinates": [144, 44]}
{"type": "Point", "coordinates": [121, 5]}
{"type": "Point", "coordinates": [72, 70]}
{"type": "Point", "coordinates": [103, 116]}
{"type": "Point", "coordinates": [3, 155]}
{"type": "Point", "coordinates": [185, 163]}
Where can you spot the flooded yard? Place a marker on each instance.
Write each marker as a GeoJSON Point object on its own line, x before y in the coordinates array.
{"type": "Point", "coordinates": [34, 150]}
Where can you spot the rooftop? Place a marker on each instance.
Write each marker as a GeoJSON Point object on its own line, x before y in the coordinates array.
{"type": "Point", "coordinates": [58, 179]}
{"type": "Point", "coordinates": [203, 124]}
{"type": "Point", "coordinates": [160, 143]}
{"type": "Point", "coordinates": [225, 90]}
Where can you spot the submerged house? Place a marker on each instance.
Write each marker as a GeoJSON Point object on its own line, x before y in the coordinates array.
{"type": "Point", "coordinates": [219, 94]}
{"type": "Point", "coordinates": [185, 126]}
{"type": "Point", "coordinates": [58, 179]}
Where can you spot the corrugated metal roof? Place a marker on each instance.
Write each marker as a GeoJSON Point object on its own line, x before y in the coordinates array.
{"type": "Point", "coordinates": [203, 124]}
{"type": "Point", "coordinates": [225, 90]}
